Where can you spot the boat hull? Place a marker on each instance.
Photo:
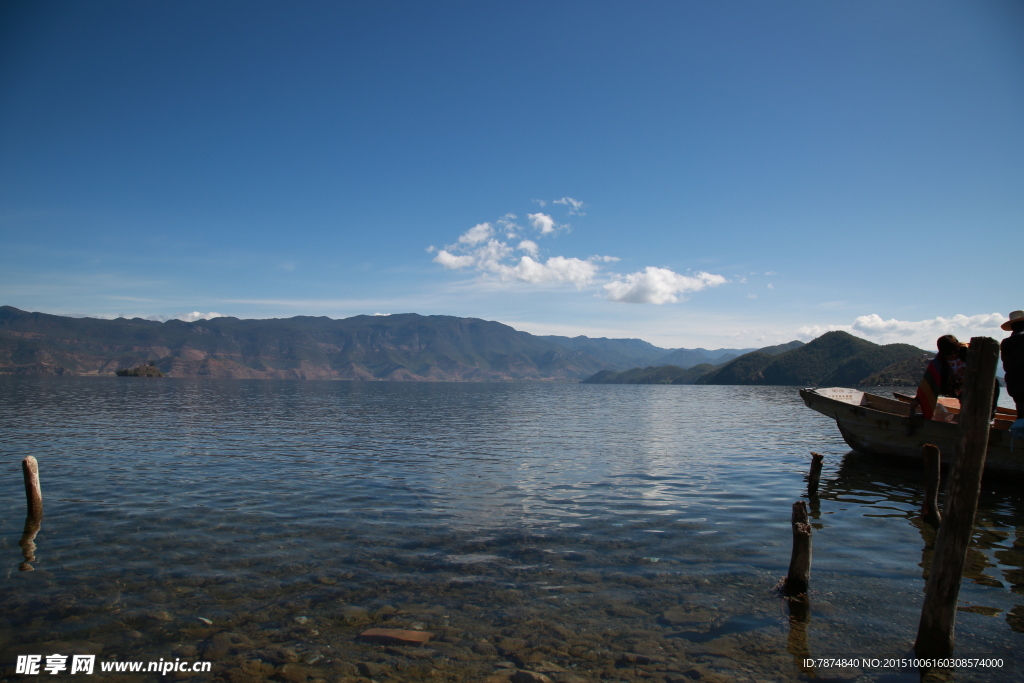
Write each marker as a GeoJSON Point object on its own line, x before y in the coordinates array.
{"type": "Point", "coordinates": [874, 430]}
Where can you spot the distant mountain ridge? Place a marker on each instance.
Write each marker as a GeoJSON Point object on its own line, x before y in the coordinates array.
{"type": "Point", "coordinates": [613, 353]}
{"type": "Point", "coordinates": [662, 374]}
{"type": "Point", "coordinates": [405, 347]}
{"type": "Point", "coordinates": [833, 359]}
{"type": "Point", "coordinates": [413, 347]}
{"type": "Point", "coordinates": [627, 353]}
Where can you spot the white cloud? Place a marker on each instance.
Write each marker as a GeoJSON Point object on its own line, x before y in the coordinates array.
{"type": "Point", "coordinates": [529, 246]}
{"type": "Point", "coordinates": [508, 224]}
{"type": "Point", "coordinates": [542, 222]}
{"type": "Point", "coordinates": [922, 333]}
{"type": "Point", "coordinates": [574, 205]}
{"type": "Point", "coordinates": [450, 260]}
{"type": "Point", "coordinates": [808, 332]}
{"type": "Point", "coordinates": [481, 250]}
{"type": "Point", "coordinates": [489, 256]}
{"type": "Point", "coordinates": [658, 286]}
{"type": "Point", "coordinates": [478, 233]}
{"type": "Point", "coordinates": [555, 269]}
{"type": "Point", "coordinates": [488, 259]}
{"type": "Point", "coordinates": [185, 317]}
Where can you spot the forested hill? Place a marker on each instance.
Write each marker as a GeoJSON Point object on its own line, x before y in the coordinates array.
{"type": "Point", "coordinates": [833, 359]}
{"type": "Point", "coordinates": [674, 374]}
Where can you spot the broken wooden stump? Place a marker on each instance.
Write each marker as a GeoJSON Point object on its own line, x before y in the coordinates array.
{"type": "Point", "coordinates": [935, 634]}
{"type": "Point", "coordinates": [799, 576]}
{"type": "Point", "coordinates": [815, 474]}
{"type": "Point", "coordinates": [932, 466]}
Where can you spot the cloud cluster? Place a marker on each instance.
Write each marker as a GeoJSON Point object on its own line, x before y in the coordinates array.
{"type": "Point", "coordinates": [482, 249]}
{"type": "Point", "coordinates": [542, 223]}
{"type": "Point", "coordinates": [185, 317]}
{"type": "Point", "coordinates": [575, 205]}
{"type": "Point", "coordinates": [658, 286]}
{"type": "Point", "coordinates": [488, 249]}
{"type": "Point", "coordinates": [922, 333]}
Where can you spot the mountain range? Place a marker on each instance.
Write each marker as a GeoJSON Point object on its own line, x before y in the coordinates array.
{"type": "Point", "coordinates": [403, 346]}
{"type": "Point", "coordinates": [413, 347]}
{"type": "Point", "coordinates": [833, 359]}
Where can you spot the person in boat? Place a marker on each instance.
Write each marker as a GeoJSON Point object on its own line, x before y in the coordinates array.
{"type": "Point", "coordinates": [1012, 351]}
{"type": "Point", "coordinates": [944, 376]}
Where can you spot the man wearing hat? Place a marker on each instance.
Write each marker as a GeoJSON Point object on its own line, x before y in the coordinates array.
{"type": "Point", "coordinates": [1012, 350]}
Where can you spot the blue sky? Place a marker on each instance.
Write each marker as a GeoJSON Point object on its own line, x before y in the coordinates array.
{"type": "Point", "coordinates": [717, 174]}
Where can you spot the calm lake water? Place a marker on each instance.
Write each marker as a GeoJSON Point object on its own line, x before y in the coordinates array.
{"type": "Point", "coordinates": [591, 532]}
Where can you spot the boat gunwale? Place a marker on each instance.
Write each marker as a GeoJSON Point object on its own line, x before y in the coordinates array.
{"type": "Point", "coordinates": [868, 429]}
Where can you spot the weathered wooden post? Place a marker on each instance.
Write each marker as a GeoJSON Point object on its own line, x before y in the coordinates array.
{"type": "Point", "coordinates": [34, 518]}
{"type": "Point", "coordinates": [799, 575]}
{"type": "Point", "coordinates": [815, 474]}
{"type": "Point", "coordinates": [932, 466]}
{"type": "Point", "coordinates": [33, 494]}
{"type": "Point", "coordinates": [935, 633]}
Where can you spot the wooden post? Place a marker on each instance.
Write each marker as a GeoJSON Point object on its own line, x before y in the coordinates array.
{"type": "Point", "coordinates": [33, 494]}
{"type": "Point", "coordinates": [34, 518]}
{"type": "Point", "coordinates": [935, 633]}
{"type": "Point", "coordinates": [799, 575]}
{"type": "Point", "coordinates": [932, 466]}
{"type": "Point", "coordinates": [815, 474]}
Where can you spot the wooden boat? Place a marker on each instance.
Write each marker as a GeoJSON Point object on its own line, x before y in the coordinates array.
{"type": "Point", "coordinates": [882, 426]}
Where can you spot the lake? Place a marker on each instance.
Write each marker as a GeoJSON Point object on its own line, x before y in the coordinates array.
{"type": "Point", "coordinates": [587, 532]}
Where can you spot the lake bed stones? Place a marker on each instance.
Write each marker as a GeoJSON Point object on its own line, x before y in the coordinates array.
{"type": "Point", "coordinates": [396, 636]}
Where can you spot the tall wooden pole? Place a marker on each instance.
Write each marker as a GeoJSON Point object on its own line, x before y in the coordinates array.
{"type": "Point", "coordinates": [932, 459]}
{"type": "Point", "coordinates": [935, 633]}
{"type": "Point", "coordinates": [34, 518]}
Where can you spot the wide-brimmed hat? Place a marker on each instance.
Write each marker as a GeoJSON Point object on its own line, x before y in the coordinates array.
{"type": "Point", "coordinates": [1015, 317]}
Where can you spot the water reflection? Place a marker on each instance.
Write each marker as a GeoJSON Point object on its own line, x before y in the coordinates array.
{"type": "Point", "coordinates": [995, 557]}
{"type": "Point", "coordinates": [33, 522]}
{"type": "Point", "coordinates": [594, 523]}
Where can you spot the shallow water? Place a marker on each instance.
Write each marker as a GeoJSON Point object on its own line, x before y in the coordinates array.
{"type": "Point", "coordinates": [614, 532]}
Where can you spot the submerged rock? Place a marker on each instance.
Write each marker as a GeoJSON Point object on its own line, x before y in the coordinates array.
{"type": "Point", "coordinates": [396, 636]}
{"type": "Point", "coordinates": [221, 644]}
{"type": "Point", "coordinates": [524, 676]}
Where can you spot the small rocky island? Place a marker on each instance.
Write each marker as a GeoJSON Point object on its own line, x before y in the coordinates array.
{"type": "Point", "coordinates": [147, 370]}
